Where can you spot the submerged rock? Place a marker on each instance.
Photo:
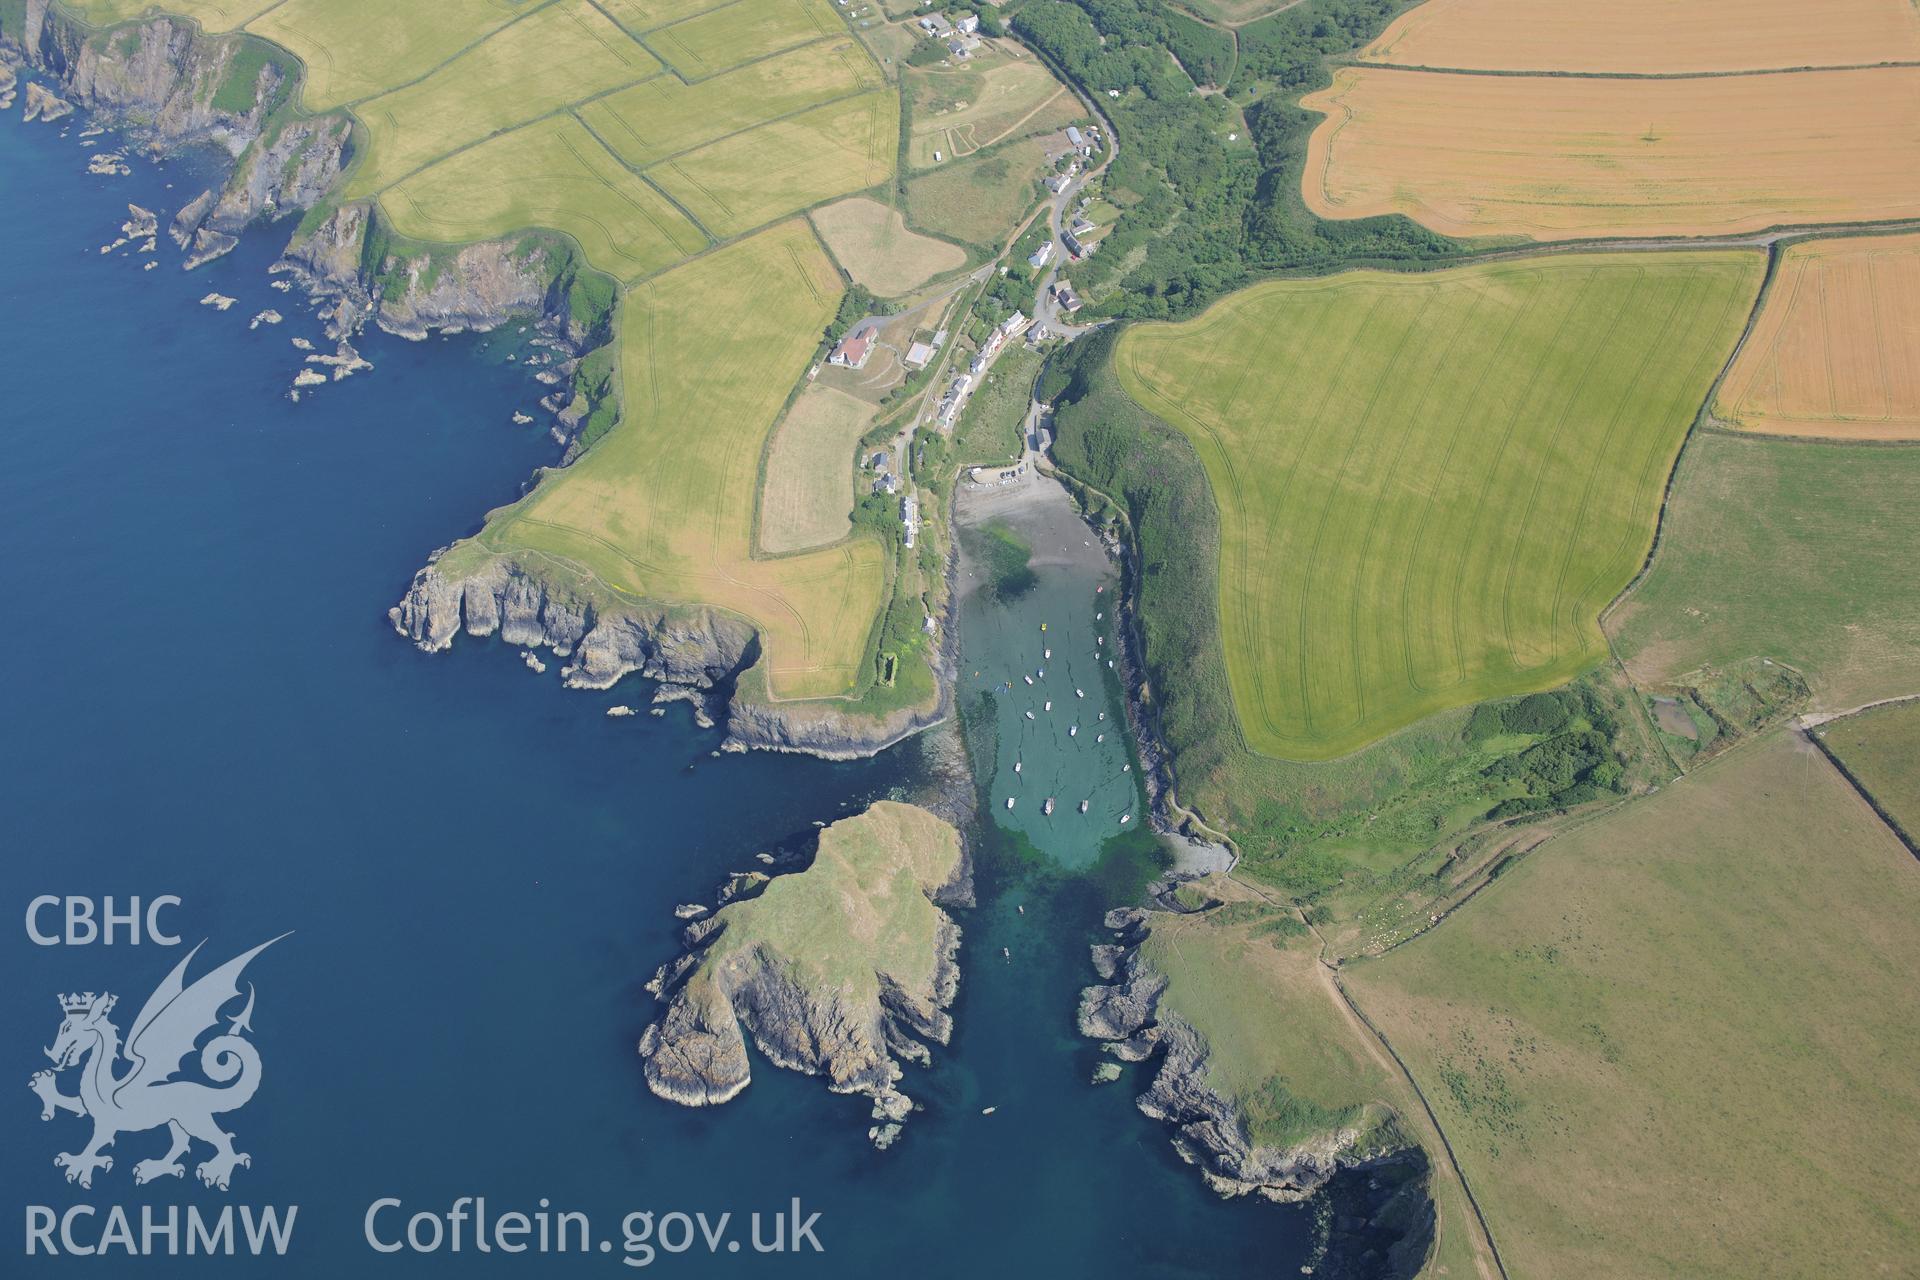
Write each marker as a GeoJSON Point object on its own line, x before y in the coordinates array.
{"type": "Point", "coordinates": [842, 970]}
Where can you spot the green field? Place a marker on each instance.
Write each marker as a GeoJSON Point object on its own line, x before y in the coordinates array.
{"type": "Point", "coordinates": [754, 177]}
{"type": "Point", "coordinates": [551, 59]}
{"type": "Point", "coordinates": [1881, 749]}
{"type": "Point", "coordinates": [1679, 1041]}
{"type": "Point", "coordinates": [991, 428]}
{"type": "Point", "coordinates": [981, 198]}
{"type": "Point", "coordinates": [662, 508]}
{"type": "Point", "coordinates": [1794, 550]}
{"type": "Point", "coordinates": [356, 48]}
{"type": "Point", "coordinates": [1282, 1047]}
{"type": "Point", "coordinates": [664, 117]}
{"type": "Point", "coordinates": [551, 173]}
{"type": "Point", "coordinates": [724, 38]}
{"type": "Point", "coordinates": [1429, 486]}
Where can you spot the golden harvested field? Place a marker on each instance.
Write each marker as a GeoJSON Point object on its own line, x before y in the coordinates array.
{"type": "Point", "coordinates": [548, 60]}
{"type": "Point", "coordinates": [664, 117]}
{"type": "Point", "coordinates": [724, 38]}
{"type": "Point", "coordinates": [1657, 36]}
{"type": "Point", "coordinates": [960, 111]}
{"type": "Point", "coordinates": [662, 508]}
{"type": "Point", "coordinates": [1554, 157]}
{"type": "Point", "coordinates": [751, 178]}
{"type": "Point", "coordinates": [807, 497]}
{"type": "Point", "coordinates": [552, 173]}
{"type": "Point", "coordinates": [872, 242]}
{"type": "Point", "coordinates": [1836, 352]}
{"type": "Point", "coordinates": [1679, 1040]}
{"type": "Point", "coordinates": [357, 48]}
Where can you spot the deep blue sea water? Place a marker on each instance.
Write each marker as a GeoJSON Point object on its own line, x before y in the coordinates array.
{"type": "Point", "coordinates": [201, 697]}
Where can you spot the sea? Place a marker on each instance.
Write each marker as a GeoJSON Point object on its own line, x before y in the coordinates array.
{"type": "Point", "coordinates": [467, 871]}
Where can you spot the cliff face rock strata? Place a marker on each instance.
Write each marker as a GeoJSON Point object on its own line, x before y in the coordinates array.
{"type": "Point", "coordinates": [1208, 1130]}
{"type": "Point", "coordinates": [842, 970]}
{"type": "Point", "coordinates": [604, 640]}
{"type": "Point", "coordinates": [162, 81]}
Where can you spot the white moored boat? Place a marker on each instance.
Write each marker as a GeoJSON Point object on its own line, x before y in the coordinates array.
{"type": "Point", "coordinates": [1047, 808]}
{"type": "Point", "coordinates": [1009, 802]}
{"type": "Point", "coordinates": [1083, 806]}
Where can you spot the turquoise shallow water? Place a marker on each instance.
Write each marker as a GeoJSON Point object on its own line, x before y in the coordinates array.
{"type": "Point", "coordinates": [1042, 656]}
{"type": "Point", "coordinates": [202, 697]}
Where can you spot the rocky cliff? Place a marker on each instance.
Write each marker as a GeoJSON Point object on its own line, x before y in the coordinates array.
{"type": "Point", "coordinates": [1128, 1013]}
{"type": "Point", "coordinates": [843, 970]}
{"type": "Point", "coordinates": [164, 83]}
{"type": "Point", "coordinates": [601, 640]}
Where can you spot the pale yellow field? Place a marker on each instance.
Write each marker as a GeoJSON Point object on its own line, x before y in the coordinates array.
{"type": "Point", "coordinates": [872, 242]}
{"type": "Point", "coordinates": [644, 15]}
{"type": "Point", "coordinates": [754, 177]}
{"type": "Point", "coordinates": [1553, 157]}
{"type": "Point", "coordinates": [552, 173]}
{"type": "Point", "coordinates": [665, 117]}
{"type": "Point", "coordinates": [553, 57]}
{"type": "Point", "coordinates": [1836, 351]}
{"type": "Point", "coordinates": [662, 508]}
{"type": "Point", "coordinates": [1649, 35]}
{"type": "Point", "coordinates": [807, 498]}
{"type": "Point", "coordinates": [727, 37]}
{"type": "Point", "coordinates": [212, 15]}
{"type": "Point", "coordinates": [357, 48]}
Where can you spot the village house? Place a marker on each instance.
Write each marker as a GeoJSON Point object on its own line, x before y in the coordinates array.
{"type": "Point", "coordinates": [1013, 324]}
{"type": "Point", "coordinates": [967, 23]}
{"type": "Point", "coordinates": [853, 350]}
{"type": "Point", "coordinates": [1041, 256]}
{"type": "Point", "coordinates": [910, 516]}
{"type": "Point", "coordinates": [919, 356]}
{"type": "Point", "coordinates": [1067, 299]}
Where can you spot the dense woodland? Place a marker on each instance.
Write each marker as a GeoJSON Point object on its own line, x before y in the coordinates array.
{"type": "Point", "coordinates": [1203, 215]}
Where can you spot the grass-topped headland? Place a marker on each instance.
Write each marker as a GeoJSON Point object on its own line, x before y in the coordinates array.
{"type": "Point", "coordinates": [833, 969]}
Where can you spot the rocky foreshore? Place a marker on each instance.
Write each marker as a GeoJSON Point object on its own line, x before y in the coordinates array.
{"type": "Point", "coordinates": [844, 969]}
{"type": "Point", "coordinates": [602, 640]}
{"type": "Point", "coordinates": [1128, 1014]}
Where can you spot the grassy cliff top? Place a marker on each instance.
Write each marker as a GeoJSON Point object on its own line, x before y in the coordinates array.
{"type": "Point", "coordinates": [862, 909]}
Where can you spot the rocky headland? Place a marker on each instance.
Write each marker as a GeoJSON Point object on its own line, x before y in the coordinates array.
{"type": "Point", "coordinates": [1361, 1163]}
{"type": "Point", "coordinates": [842, 970]}
{"type": "Point", "coordinates": [170, 87]}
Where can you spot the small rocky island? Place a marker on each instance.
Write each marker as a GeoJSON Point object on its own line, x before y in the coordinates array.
{"type": "Point", "coordinates": [842, 969]}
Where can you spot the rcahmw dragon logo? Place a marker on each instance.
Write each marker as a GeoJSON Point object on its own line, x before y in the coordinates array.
{"type": "Point", "coordinates": [146, 1095]}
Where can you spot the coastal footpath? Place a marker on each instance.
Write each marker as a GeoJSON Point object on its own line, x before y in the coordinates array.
{"type": "Point", "coordinates": [844, 969]}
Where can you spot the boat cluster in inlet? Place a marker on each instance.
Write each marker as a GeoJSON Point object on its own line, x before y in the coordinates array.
{"type": "Point", "coordinates": [1073, 731]}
